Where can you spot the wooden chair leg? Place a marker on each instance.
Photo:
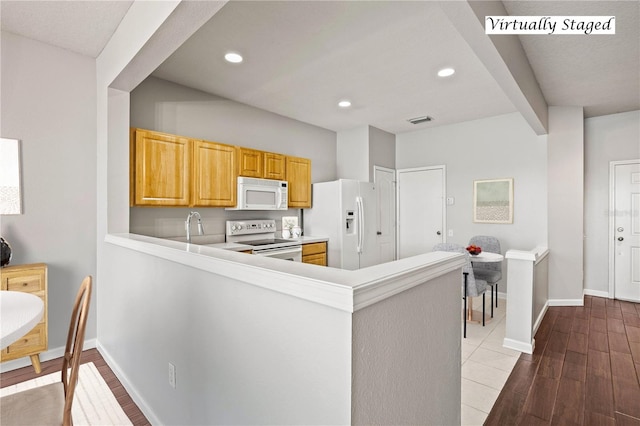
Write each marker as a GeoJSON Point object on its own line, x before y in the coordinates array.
{"type": "Point", "coordinates": [496, 295]}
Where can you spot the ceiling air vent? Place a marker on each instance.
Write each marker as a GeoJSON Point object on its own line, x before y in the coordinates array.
{"type": "Point", "coordinates": [419, 120]}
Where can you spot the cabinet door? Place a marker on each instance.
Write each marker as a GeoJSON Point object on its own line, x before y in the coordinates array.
{"type": "Point", "coordinates": [250, 163]}
{"type": "Point", "coordinates": [315, 253]}
{"type": "Point", "coordinates": [274, 166]}
{"type": "Point", "coordinates": [162, 169]}
{"type": "Point", "coordinates": [299, 178]}
{"type": "Point", "coordinates": [214, 175]}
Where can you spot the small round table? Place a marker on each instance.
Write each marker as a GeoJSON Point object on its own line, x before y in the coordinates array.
{"type": "Point", "coordinates": [483, 257]}
{"type": "Point", "coordinates": [19, 313]}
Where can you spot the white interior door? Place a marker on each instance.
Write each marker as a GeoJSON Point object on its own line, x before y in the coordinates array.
{"type": "Point", "coordinates": [421, 209]}
{"type": "Point", "coordinates": [385, 180]}
{"type": "Point", "coordinates": [627, 231]}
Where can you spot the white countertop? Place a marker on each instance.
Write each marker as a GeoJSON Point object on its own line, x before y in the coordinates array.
{"type": "Point", "coordinates": [337, 288]}
{"type": "Point", "coordinates": [242, 247]}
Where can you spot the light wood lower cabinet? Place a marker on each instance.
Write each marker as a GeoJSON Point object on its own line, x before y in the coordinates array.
{"type": "Point", "coordinates": [315, 253]}
{"type": "Point", "coordinates": [32, 279]}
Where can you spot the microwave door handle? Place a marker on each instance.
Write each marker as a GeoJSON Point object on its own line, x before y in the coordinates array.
{"type": "Point", "coordinates": [280, 199]}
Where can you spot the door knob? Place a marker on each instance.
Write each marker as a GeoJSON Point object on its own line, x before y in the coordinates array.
{"type": "Point", "coordinates": [439, 233]}
{"type": "Point", "coordinates": [620, 239]}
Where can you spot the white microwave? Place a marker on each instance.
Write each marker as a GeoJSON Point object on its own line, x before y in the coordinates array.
{"type": "Point", "coordinates": [261, 194]}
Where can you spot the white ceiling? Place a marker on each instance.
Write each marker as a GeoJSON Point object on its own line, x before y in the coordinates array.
{"type": "Point", "coordinates": [81, 26]}
{"type": "Point", "coordinates": [302, 57]}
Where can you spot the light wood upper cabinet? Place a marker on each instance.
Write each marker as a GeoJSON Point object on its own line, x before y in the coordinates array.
{"type": "Point", "coordinates": [250, 163]}
{"type": "Point", "coordinates": [261, 164]}
{"type": "Point", "coordinates": [162, 169]}
{"type": "Point", "coordinates": [214, 174]}
{"type": "Point", "coordinates": [173, 171]}
{"type": "Point", "coordinates": [28, 279]}
{"type": "Point", "coordinates": [299, 178]}
{"type": "Point", "coordinates": [274, 166]}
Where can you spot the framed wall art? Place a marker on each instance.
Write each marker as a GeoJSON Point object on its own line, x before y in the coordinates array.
{"type": "Point", "coordinates": [10, 199]}
{"type": "Point", "coordinates": [493, 201]}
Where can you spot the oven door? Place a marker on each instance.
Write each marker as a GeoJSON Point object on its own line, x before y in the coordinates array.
{"type": "Point", "coordinates": [293, 254]}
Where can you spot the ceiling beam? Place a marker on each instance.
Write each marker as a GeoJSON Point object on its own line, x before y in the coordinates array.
{"type": "Point", "coordinates": [503, 56]}
{"type": "Point", "coordinates": [167, 26]}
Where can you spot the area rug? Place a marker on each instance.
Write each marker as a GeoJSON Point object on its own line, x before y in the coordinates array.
{"type": "Point", "coordinates": [94, 403]}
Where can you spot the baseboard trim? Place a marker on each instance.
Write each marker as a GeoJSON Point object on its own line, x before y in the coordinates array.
{"type": "Point", "coordinates": [519, 346]}
{"type": "Point", "coordinates": [48, 355]}
{"type": "Point", "coordinates": [126, 383]}
{"type": "Point", "coordinates": [543, 311]}
{"type": "Point", "coordinates": [597, 293]}
{"type": "Point", "coordinates": [566, 302]}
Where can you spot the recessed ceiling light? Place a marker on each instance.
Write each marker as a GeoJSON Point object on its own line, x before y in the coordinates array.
{"type": "Point", "coordinates": [233, 57]}
{"type": "Point", "coordinates": [446, 72]}
{"type": "Point", "coordinates": [344, 104]}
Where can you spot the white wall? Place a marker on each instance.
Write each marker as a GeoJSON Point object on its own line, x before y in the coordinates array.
{"type": "Point", "coordinates": [243, 354]}
{"type": "Point", "coordinates": [168, 107]}
{"type": "Point", "coordinates": [399, 375]}
{"type": "Point", "coordinates": [607, 138]}
{"type": "Point", "coordinates": [352, 154]}
{"type": "Point", "coordinates": [566, 204]}
{"type": "Point", "coordinates": [382, 150]}
{"type": "Point", "coordinates": [491, 148]}
{"type": "Point", "coordinates": [361, 148]}
{"type": "Point", "coordinates": [49, 103]}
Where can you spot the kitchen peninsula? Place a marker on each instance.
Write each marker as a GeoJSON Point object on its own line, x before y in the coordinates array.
{"type": "Point", "coordinates": [299, 343]}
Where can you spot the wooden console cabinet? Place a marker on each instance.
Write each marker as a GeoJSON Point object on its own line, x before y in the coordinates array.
{"type": "Point", "coordinates": [30, 278]}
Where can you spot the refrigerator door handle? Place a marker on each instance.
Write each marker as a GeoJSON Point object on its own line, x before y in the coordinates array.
{"type": "Point", "coordinates": [360, 229]}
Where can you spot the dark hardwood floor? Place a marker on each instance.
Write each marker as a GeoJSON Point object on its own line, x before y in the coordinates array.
{"type": "Point", "coordinates": [585, 369]}
{"type": "Point", "coordinates": [91, 355]}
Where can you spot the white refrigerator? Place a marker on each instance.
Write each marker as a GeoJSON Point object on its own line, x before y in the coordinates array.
{"type": "Point", "coordinates": [345, 211]}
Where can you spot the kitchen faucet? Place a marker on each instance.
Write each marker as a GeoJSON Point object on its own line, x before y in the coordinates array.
{"type": "Point", "coordinates": [187, 225]}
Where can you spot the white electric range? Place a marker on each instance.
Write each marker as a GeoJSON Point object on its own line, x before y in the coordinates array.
{"type": "Point", "coordinates": [260, 234]}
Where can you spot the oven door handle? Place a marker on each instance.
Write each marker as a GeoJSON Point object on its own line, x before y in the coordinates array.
{"type": "Point", "coordinates": [283, 250]}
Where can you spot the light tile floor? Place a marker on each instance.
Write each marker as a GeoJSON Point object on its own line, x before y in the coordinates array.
{"type": "Point", "coordinates": [486, 364]}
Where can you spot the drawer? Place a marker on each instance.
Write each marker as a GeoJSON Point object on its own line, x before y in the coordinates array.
{"type": "Point", "coordinates": [314, 248]}
{"type": "Point", "coordinates": [33, 342]}
{"type": "Point", "coordinates": [31, 283]}
{"type": "Point", "coordinates": [316, 259]}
